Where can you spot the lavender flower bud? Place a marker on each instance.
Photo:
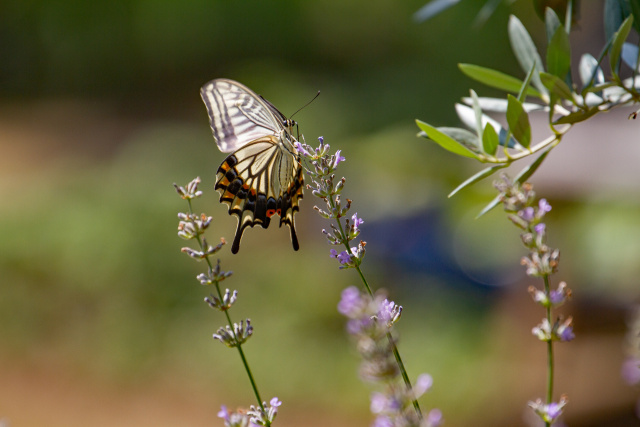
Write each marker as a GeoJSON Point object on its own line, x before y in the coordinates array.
{"type": "Point", "coordinates": [191, 191]}
{"type": "Point", "coordinates": [239, 334]}
{"type": "Point", "coordinates": [542, 331]}
{"type": "Point", "coordinates": [227, 300]}
{"type": "Point", "coordinates": [322, 213]}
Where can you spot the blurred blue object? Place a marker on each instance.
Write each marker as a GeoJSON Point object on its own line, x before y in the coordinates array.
{"type": "Point", "coordinates": [422, 244]}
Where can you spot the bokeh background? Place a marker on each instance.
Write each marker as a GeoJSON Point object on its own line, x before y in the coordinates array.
{"type": "Point", "coordinates": [101, 318]}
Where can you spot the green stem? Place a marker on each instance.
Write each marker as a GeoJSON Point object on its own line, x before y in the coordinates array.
{"type": "Point", "coordinates": [549, 348]}
{"type": "Point", "coordinates": [396, 353]}
{"type": "Point", "coordinates": [254, 386]}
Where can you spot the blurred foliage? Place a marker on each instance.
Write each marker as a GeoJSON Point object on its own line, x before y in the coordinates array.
{"type": "Point", "coordinates": [141, 51]}
{"type": "Point", "coordinates": [92, 278]}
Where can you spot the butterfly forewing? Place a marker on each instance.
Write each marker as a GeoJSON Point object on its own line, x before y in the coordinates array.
{"type": "Point", "coordinates": [262, 177]}
{"type": "Point", "coordinates": [237, 115]}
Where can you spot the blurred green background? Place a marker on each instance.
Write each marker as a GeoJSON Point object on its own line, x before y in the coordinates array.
{"type": "Point", "coordinates": [102, 320]}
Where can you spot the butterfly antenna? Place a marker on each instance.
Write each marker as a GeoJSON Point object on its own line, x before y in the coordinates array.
{"type": "Point", "coordinates": [305, 105]}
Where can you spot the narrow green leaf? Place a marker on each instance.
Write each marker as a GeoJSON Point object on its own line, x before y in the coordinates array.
{"type": "Point", "coordinates": [526, 173]}
{"type": "Point", "coordinates": [525, 85]}
{"type": "Point", "coordinates": [613, 17]}
{"type": "Point", "coordinates": [552, 22]}
{"type": "Point", "coordinates": [577, 116]}
{"type": "Point", "coordinates": [499, 105]}
{"type": "Point", "coordinates": [569, 15]}
{"type": "Point", "coordinates": [478, 113]}
{"type": "Point", "coordinates": [468, 139]}
{"type": "Point", "coordinates": [525, 51]}
{"type": "Point", "coordinates": [492, 204]}
{"type": "Point", "coordinates": [496, 79]}
{"type": "Point", "coordinates": [467, 116]}
{"type": "Point", "coordinates": [601, 87]}
{"type": "Point", "coordinates": [433, 8]}
{"type": "Point", "coordinates": [518, 120]}
{"type": "Point", "coordinates": [616, 46]}
{"type": "Point", "coordinates": [485, 12]}
{"type": "Point", "coordinates": [477, 177]}
{"type": "Point", "coordinates": [445, 141]}
{"type": "Point", "coordinates": [559, 54]}
{"type": "Point", "coordinates": [490, 140]}
{"type": "Point", "coordinates": [556, 86]}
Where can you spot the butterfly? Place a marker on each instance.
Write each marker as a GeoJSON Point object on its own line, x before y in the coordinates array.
{"type": "Point", "coordinates": [262, 176]}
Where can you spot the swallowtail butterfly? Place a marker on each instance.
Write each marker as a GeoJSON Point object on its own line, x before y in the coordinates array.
{"type": "Point", "coordinates": [262, 176]}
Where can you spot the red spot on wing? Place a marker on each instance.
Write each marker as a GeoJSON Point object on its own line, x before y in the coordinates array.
{"type": "Point", "coordinates": [272, 212]}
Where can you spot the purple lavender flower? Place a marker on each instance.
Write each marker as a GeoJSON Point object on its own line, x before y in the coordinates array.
{"type": "Point", "coordinates": [301, 149]}
{"type": "Point", "coordinates": [553, 409]}
{"type": "Point", "coordinates": [566, 333]}
{"type": "Point", "coordinates": [338, 159]}
{"type": "Point", "coordinates": [544, 206]}
{"type": "Point", "coordinates": [382, 421]}
{"type": "Point", "coordinates": [556, 296]}
{"type": "Point", "coordinates": [563, 331]}
{"type": "Point", "coordinates": [344, 257]}
{"type": "Point", "coordinates": [357, 222]}
{"type": "Point", "coordinates": [354, 326]}
{"type": "Point", "coordinates": [384, 313]}
{"type": "Point", "coordinates": [378, 403]}
{"type": "Point", "coordinates": [631, 371]}
{"type": "Point", "coordinates": [224, 413]}
{"type": "Point", "coordinates": [321, 140]}
{"type": "Point", "coordinates": [350, 301]}
{"type": "Point", "coordinates": [539, 228]}
{"type": "Point", "coordinates": [549, 412]}
{"type": "Point", "coordinates": [333, 253]}
{"type": "Point", "coordinates": [434, 418]}
{"type": "Point", "coordinates": [389, 312]}
{"type": "Point", "coordinates": [274, 402]}
{"type": "Point", "coordinates": [527, 214]}
{"type": "Point", "coordinates": [423, 384]}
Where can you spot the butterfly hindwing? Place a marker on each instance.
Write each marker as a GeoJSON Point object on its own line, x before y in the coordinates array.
{"type": "Point", "coordinates": [246, 183]}
{"type": "Point", "coordinates": [263, 176]}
